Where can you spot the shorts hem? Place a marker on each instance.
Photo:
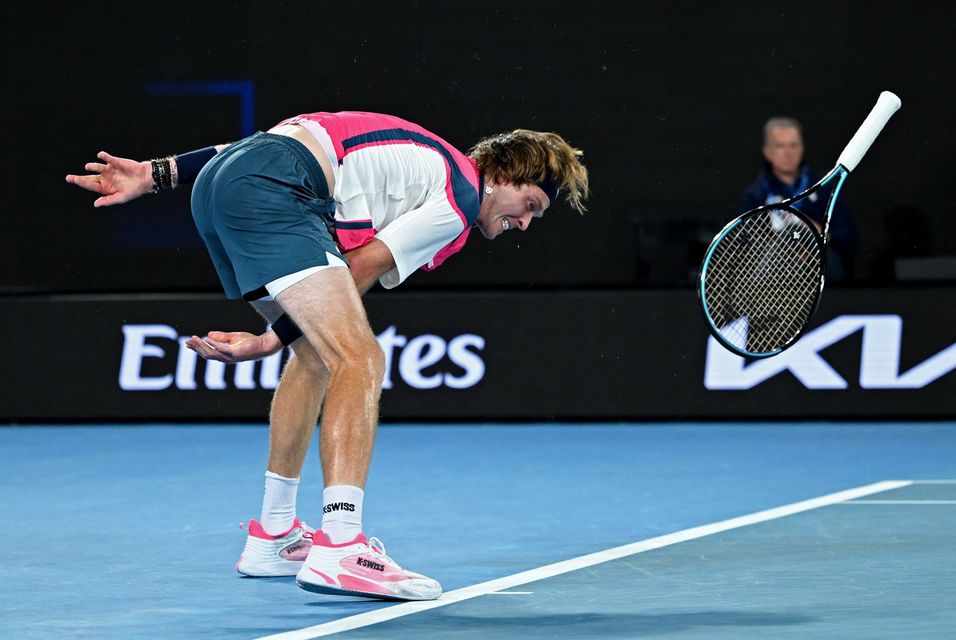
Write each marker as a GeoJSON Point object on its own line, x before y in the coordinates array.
{"type": "Point", "coordinates": [252, 294]}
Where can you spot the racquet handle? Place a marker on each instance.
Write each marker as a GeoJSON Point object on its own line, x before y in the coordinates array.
{"type": "Point", "coordinates": [887, 104]}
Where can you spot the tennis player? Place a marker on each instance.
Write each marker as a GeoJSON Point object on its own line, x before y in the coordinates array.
{"type": "Point", "coordinates": [301, 221]}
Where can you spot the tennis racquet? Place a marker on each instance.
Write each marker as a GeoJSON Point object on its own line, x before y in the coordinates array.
{"type": "Point", "coordinates": [762, 276]}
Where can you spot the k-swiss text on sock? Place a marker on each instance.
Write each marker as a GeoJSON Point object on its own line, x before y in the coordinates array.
{"type": "Point", "coordinates": [338, 506]}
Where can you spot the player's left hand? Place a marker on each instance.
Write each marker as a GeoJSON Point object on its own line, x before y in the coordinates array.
{"type": "Point", "coordinates": [117, 180]}
{"type": "Point", "coordinates": [235, 346]}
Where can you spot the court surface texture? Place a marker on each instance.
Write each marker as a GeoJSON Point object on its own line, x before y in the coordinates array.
{"type": "Point", "coordinates": [677, 530]}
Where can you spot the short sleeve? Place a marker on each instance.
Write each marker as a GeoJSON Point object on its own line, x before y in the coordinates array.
{"type": "Point", "coordinates": [416, 236]}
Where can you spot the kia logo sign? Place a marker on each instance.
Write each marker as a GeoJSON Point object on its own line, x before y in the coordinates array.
{"type": "Point", "coordinates": [422, 362]}
{"type": "Point", "coordinates": [879, 359]}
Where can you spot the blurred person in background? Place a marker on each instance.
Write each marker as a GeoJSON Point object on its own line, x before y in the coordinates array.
{"type": "Point", "coordinates": [784, 175]}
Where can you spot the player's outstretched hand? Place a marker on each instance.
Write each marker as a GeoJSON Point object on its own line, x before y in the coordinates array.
{"type": "Point", "coordinates": [235, 346]}
{"type": "Point", "coordinates": [119, 180]}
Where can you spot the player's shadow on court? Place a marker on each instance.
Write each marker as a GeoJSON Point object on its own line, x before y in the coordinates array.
{"type": "Point", "coordinates": [588, 625]}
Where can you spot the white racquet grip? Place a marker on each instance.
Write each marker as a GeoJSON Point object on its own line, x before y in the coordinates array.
{"type": "Point", "coordinates": [887, 104]}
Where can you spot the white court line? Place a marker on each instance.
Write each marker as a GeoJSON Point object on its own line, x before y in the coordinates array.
{"type": "Point", "coordinates": [901, 502]}
{"type": "Point", "coordinates": [581, 562]}
{"type": "Point", "coordinates": [933, 481]}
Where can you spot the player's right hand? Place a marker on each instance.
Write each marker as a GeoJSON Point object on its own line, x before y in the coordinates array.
{"type": "Point", "coordinates": [119, 180]}
{"type": "Point", "coordinates": [235, 346]}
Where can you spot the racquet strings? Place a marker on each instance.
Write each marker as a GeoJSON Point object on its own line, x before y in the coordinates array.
{"type": "Point", "coordinates": [762, 281]}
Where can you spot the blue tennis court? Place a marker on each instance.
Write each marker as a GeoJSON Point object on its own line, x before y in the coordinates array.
{"type": "Point", "coordinates": [824, 530]}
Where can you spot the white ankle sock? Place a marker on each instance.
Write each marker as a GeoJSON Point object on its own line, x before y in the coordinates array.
{"type": "Point", "coordinates": [278, 505]}
{"type": "Point", "coordinates": [342, 512]}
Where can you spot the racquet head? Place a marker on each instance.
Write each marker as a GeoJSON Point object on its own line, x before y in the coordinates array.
{"type": "Point", "coordinates": [762, 276]}
{"type": "Point", "coordinates": [761, 280]}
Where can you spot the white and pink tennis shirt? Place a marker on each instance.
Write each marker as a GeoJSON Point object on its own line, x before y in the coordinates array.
{"type": "Point", "coordinates": [399, 183]}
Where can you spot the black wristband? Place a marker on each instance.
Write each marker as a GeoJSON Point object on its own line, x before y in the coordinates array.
{"type": "Point", "coordinates": [286, 330]}
{"type": "Point", "coordinates": [188, 165]}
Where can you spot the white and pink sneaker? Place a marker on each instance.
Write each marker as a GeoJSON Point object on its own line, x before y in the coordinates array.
{"type": "Point", "coordinates": [266, 556]}
{"type": "Point", "coordinates": [361, 568]}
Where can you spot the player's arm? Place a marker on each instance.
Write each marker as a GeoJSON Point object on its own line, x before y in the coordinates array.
{"type": "Point", "coordinates": [415, 238]}
{"type": "Point", "coordinates": [120, 180]}
{"type": "Point", "coordinates": [368, 263]}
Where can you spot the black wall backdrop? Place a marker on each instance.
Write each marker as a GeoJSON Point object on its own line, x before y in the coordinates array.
{"type": "Point", "coordinates": [666, 98]}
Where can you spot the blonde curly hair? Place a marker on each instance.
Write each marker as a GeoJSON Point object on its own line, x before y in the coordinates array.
{"type": "Point", "coordinates": [532, 157]}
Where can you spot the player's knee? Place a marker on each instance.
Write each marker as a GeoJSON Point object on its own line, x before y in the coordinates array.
{"type": "Point", "coordinates": [376, 361]}
{"type": "Point", "coordinates": [310, 363]}
{"type": "Point", "coordinates": [363, 358]}
{"type": "Point", "coordinates": [372, 360]}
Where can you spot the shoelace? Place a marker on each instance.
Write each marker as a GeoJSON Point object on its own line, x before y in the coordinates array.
{"type": "Point", "coordinates": [377, 549]}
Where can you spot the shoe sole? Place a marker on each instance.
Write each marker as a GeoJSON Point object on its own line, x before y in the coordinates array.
{"type": "Point", "coordinates": [280, 569]}
{"type": "Point", "coordinates": [333, 591]}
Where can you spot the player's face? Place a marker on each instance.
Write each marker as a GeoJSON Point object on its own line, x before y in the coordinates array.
{"type": "Point", "coordinates": [508, 207]}
{"type": "Point", "coordinates": [784, 150]}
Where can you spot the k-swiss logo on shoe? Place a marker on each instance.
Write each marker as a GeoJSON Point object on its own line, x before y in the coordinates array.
{"type": "Point", "coordinates": [371, 565]}
{"type": "Point", "coordinates": [293, 548]}
{"type": "Point", "coordinates": [338, 506]}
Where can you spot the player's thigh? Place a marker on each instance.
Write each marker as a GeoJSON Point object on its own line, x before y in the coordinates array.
{"type": "Point", "coordinates": [328, 309]}
{"type": "Point", "coordinates": [302, 352]}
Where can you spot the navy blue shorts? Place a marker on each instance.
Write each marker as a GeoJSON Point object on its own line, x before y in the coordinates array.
{"type": "Point", "coordinates": [262, 207]}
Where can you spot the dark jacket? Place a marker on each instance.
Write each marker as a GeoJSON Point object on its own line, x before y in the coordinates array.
{"type": "Point", "coordinates": [768, 188]}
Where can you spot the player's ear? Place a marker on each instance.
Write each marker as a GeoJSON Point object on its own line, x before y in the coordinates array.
{"type": "Point", "coordinates": [766, 152]}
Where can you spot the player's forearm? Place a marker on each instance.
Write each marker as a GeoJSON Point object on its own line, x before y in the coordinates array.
{"type": "Point", "coordinates": [365, 281]}
{"type": "Point", "coordinates": [368, 263]}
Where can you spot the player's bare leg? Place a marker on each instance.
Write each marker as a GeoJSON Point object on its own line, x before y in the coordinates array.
{"type": "Point", "coordinates": [296, 404]}
{"type": "Point", "coordinates": [328, 309]}
{"type": "Point", "coordinates": [295, 410]}
{"type": "Point", "coordinates": [278, 543]}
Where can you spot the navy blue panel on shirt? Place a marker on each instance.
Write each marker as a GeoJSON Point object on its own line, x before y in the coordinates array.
{"type": "Point", "coordinates": [353, 224]}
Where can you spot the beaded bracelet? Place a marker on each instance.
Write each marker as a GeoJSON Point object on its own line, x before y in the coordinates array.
{"type": "Point", "coordinates": [162, 174]}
